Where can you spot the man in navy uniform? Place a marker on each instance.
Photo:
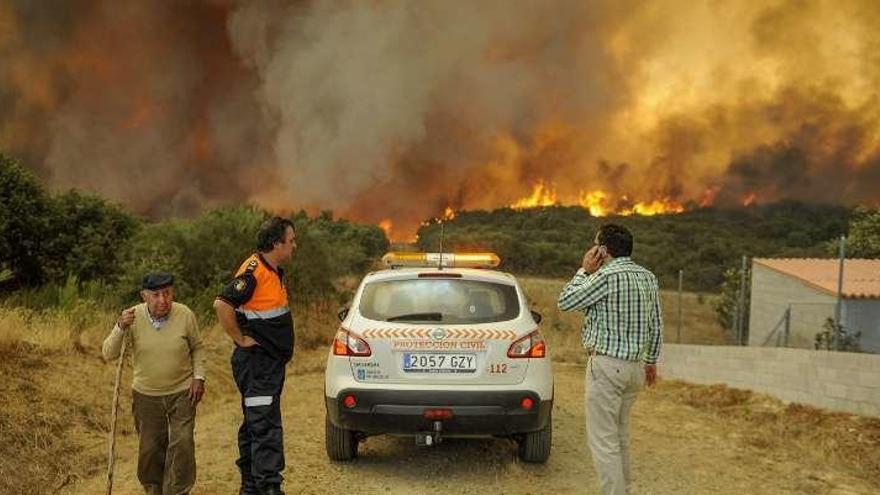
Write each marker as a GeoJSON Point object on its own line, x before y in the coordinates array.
{"type": "Point", "coordinates": [254, 310]}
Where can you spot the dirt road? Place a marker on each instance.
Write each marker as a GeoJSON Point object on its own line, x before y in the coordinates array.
{"type": "Point", "coordinates": [677, 449]}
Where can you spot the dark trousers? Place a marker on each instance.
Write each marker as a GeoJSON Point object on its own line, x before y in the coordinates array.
{"type": "Point", "coordinates": [166, 450]}
{"type": "Point", "coordinates": [260, 379]}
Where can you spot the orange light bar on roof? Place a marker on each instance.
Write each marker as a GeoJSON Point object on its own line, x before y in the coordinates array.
{"type": "Point", "coordinates": [450, 260]}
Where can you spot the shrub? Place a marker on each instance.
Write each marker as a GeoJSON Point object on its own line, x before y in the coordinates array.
{"type": "Point", "coordinates": [24, 207]}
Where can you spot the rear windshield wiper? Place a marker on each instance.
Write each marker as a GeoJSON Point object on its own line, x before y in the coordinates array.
{"type": "Point", "coordinates": [418, 316]}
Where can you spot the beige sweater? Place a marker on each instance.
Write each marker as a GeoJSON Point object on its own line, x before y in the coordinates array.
{"type": "Point", "coordinates": [164, 360]}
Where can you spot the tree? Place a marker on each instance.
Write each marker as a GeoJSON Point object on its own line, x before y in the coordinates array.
{"type": "Point", "coordinates": [727, 304]}
{"type": "Point", "coordinates": [48, 239]}
{"type": "Point", "coordinates": [203, 253]}
{"type": "Point", "coordinates": [23, 222]}
{"type": "Point", "coordinates": [864, 234]}
{"type": "Point", "coordinates": [87, 235]}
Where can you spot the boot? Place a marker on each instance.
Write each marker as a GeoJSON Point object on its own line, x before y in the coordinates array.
{"type": "Point", "coordinates": [248, 490]}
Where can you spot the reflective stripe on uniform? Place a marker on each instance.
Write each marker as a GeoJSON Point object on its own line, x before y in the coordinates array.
{"type": "Point", "coordinates": [264, 314]}
{"type": "Point", "coordinates": [261, 400]}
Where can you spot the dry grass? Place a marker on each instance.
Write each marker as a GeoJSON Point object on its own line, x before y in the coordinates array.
{"type": "Point", "coordinates": [53, 330]}
{"type": "Point", "coordinates": [50, 399]}
{"type": "Point", "coordinates": [813, 435]}
{"type": "Point", "coordinates": [316, 325]}
{"type": "Point", "coordinates": [563, 330]}
{"type": "Point", "coordinates": [56, 390]}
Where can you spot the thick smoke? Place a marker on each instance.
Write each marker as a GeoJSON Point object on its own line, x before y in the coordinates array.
{"type": "Point", "coordinates": [398, 109]}
{"type": "Point", "coordinates": [143, 102]}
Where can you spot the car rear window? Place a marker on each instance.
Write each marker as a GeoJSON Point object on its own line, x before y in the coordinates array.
{"type": "Point", "coordinates": [449, 301]}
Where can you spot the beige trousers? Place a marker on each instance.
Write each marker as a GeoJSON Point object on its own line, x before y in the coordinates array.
{"type": "Point", "coordinates": [610, 392]}
{"type": "Point", "coordinates": [166, 452]}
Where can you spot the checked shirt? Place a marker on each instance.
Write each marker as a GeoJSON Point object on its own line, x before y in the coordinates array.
{"type": "Point", "coordinates": [621, 302]}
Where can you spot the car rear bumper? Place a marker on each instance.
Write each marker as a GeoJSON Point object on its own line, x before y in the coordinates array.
{"type": "Point", "coordinates": [473, 413]}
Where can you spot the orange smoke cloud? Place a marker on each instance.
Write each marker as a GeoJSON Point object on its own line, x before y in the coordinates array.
{"type": "Point", "coordinates": [383, 110]}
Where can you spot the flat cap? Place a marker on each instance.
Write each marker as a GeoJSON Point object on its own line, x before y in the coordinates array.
{"type": "Point", "coordinates": [157, 280]}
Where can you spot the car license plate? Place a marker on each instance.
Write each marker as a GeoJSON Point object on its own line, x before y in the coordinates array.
{"type": "Point", "coordinates": [439, 363]}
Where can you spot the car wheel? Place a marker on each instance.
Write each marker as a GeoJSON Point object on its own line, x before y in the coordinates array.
{"type": "Point", "coordinates": [342, 444]}
{"type": "Point", "coordinates": [535, 446]}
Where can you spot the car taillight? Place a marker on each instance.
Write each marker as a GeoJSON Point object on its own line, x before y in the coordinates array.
{"type": "Point", "coordinates": [435, 414]}
{"type": "Point", "coordinates": [530, 346]}
{"type": "Point", "coordinates": [348, 344]}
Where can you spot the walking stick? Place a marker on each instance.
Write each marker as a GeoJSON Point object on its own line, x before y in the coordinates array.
{"type": "Point", "coordinates": [112, 458]}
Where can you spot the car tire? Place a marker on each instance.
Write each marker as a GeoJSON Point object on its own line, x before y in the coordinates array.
{"type": "Point", "coordinates": [535, 446]}
{"type": "Point", "coordinates": [342, 444]}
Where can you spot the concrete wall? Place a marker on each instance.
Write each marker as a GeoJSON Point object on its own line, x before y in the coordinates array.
{"type": "Point", "coordinates": [840, 381]}
{"type": "Point", "coordinates": [771, 294]}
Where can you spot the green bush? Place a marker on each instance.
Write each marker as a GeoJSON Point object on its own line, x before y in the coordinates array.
{"type": "Point", "coordinates": [329, 249]}
{"type": "Point", "coordinates": [204, 253]}
{"type": "Point", "coordinates": [835, 337]}
{"type": "Point", "coordinates": [864, 235]}
{"type": "Point", "coordinates": [726, 306]}
{"type": "Point", "coordinates": [24, 209]}
{"type": "Point", "coordinates": [88, 237]}
{"type": "Point", "coordinates": [46, 239]}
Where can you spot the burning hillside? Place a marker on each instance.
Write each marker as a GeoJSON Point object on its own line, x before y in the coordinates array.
{"type": "Point", "coordinates": [599, 203]}
{"type": "Point", "coordinates": [393, 111]}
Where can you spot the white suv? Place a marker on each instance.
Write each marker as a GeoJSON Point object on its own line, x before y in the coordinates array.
{"type": "Point", "coordinates": [438, 346]}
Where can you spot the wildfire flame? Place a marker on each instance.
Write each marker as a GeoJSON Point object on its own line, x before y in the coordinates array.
{"type": "Point", "coordinates": [448, 213]}
{"type": "Point", "coordinates": [542, 195]}
{"type": "Point", "coordinates": [386, 225]}
{"type": "Point", "coordinates": [595, 201]}
{"type": "Point", "coordinates": [656, 207]}
{"type": "Point", "coordinates": [749, 199]}
{"type": "Point", "coordinates": [600, 203]}
{"type": "Point", "coordinates": [708, 197]}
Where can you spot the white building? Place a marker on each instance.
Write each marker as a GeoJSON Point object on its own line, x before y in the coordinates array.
{"type": "Point", "coordinates": [799, 295]}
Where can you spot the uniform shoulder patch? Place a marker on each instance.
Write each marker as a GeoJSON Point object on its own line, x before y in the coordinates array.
{"type": "Point", "coordinates": [251, 266]}
{"type": "Point", "coordinates": [239, 285]}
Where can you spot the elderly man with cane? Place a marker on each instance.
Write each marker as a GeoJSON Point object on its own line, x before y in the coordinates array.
{"type": "Point", "coordinates": [169, 381]}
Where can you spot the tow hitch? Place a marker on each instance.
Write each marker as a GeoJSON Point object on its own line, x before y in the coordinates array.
{"type": "Point", "coordinates": [429, 438]}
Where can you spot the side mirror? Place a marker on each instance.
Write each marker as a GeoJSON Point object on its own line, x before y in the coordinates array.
{"type": "Point", "coordinates": [342, 314]}
{"type": "Point", "coordinates": [536, 316]}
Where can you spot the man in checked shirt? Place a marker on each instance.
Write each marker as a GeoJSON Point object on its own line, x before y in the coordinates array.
{"type": "Point", "coordinates": [623, 332]}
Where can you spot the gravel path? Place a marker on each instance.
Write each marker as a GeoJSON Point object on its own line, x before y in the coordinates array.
{"type": "Point", "coordinates": [677, 449]}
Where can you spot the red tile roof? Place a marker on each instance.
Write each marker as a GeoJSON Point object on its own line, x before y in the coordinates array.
{"type": "Point", "coordinates": [861, 277]}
